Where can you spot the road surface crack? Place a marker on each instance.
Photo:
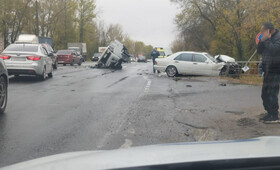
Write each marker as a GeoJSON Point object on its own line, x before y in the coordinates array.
{"type": "Point", "coordinates": [193, 126]}
{"type": "Point", "coordinates": [122, 79]}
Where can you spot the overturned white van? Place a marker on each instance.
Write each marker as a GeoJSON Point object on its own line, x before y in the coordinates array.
{"type": "Point", "coordinates": [113, 57]}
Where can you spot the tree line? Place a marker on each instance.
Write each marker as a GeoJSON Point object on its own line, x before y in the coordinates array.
{"type": "Point", "coordinates": [223, 26]}
{"type": "Point", "coordinates": [64, 21]}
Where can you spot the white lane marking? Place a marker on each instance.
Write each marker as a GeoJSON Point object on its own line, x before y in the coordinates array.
{"type": "Point", "coordinates": [127, 144]}
{"type": "Point", "coordinates": [122, 118]}
{"type": "Point", "coordinates": [148, 85]}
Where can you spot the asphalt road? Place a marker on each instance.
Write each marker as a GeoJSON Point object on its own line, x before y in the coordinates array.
{"type": "Point", "coordinates": [98, 109]}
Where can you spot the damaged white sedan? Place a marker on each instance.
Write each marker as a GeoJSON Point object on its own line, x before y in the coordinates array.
{"type": "Point", "coordinates": [189, 63]}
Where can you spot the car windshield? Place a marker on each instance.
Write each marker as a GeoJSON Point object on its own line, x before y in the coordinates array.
{"type": "Point", "coordinates": [161, 53]}
{"type": "Point", "coordinates": [22, 48]}
{"type": "Point", "coordinates": [97, 54]}
{"type": "Point", "coordinates": [211, 57]}
{"type": "Point", "coordinates": [116, 74]}
{"type": "Point", "coordinates": [63, 52]}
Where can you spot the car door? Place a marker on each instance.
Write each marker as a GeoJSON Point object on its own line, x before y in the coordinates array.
{"type": "Point", "coordinates": [50, 50]}
{"type": "Point", "coordinates": [78, 58]}
{"type": "Point", "coordinates": [183, 63]}
{"type": "Point", "coordinates": [48, 60]}
{"type": "Point", "coordinates": [201, 65]}
{"type": "Point", "coordinates": [74, 57]}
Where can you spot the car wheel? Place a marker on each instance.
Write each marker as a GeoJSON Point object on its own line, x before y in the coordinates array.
{"type": "Point", "coordinates": [55, 65]}
{"type": "Point", "coordinates": [171, 71]}
{"type": "Point", "coordinates": [3, 94]}
{"type": "Point", "coordinates": [80, 63]}
{"type": "Point", "coordinates": [43, 76]}
{"type": "Point", "coordinates": [50, 75]}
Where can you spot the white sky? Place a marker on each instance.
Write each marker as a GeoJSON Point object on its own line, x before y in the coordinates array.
{"type": "Point", "coordinates": [150, 21]}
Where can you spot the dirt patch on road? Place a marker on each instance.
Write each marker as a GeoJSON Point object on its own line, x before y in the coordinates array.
{"type": "Point", "coordinates": [245, 79]}
{"type": "Point", "coordinates": [246, 122]}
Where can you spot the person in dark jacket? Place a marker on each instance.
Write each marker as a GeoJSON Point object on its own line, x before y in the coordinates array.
{"type": "Point", "coordinates": [269, 48]}
{"type": "Point", "coordinates": [260, 71]}
{"type": "Point", "coordinates": [155, 55]}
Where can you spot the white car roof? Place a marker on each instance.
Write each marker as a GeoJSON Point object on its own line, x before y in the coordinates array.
{"type": "Point", "coordinates": [8, 51]}
{"type": "Point", "coordinates": [194, 52]}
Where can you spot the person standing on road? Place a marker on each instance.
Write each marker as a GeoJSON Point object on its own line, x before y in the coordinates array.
{"type": "Point", "coordinates": [155, 55]}
{"type": "Point", "coordinates": [269, 48]}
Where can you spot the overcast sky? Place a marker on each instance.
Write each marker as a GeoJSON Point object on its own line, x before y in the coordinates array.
{"type": "Point", "coordinates": [150, 21]}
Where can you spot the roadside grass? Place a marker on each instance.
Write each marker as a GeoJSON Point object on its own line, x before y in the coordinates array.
{"type": "Point", "coordinates": [250, 79]}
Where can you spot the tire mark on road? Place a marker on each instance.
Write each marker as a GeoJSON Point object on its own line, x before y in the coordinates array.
{"type": "Point", "coordinates": [122, 79]}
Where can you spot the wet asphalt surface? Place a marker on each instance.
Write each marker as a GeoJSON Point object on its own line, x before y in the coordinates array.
{"type": "Point", "coordinates": [99, 109]}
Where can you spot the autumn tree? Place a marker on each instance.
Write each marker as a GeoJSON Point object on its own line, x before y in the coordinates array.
{"type": "Point", "coordinates": [115, 32]}
{"type": "Point", "coordinates": [86, 15]}
{"type": "Point", "coordinates": [223, 26]}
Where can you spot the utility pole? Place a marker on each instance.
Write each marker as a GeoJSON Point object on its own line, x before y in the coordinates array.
{"type": "Point", "coordinates": [37, 18]}
{"type": "Point", "coordinates": [65, 21]}
{"type": "Point", "coordinates": [81, 21]}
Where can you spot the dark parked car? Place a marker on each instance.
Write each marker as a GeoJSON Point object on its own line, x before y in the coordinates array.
{"type": "Point", "coordinates": [142, 59]}
{"type": "Point", "coordinates": [4, 81]}
{"type": "Point", "coordinates": [96, 56]}
{"type": "Point", "coordinates": [69, 57]}
{"type": "Point", "coordinates": [52, 53]}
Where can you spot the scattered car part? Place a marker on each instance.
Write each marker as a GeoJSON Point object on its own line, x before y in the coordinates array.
{"type": "Point", "coordinates": [223, 84]}
{"type": "Point", "coordinates": [246, 68]}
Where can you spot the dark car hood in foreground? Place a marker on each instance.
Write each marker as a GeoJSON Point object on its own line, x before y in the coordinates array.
{"type": "Point", "coordinates": [263, 147]}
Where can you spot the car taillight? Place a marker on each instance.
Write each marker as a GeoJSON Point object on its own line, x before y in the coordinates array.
{"type": "Point", "coordinates": [68, 56]}
{"type": "Point", "coordinates": [34, 58]}
{"type": "Point", "coordinates": [5, 57]}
